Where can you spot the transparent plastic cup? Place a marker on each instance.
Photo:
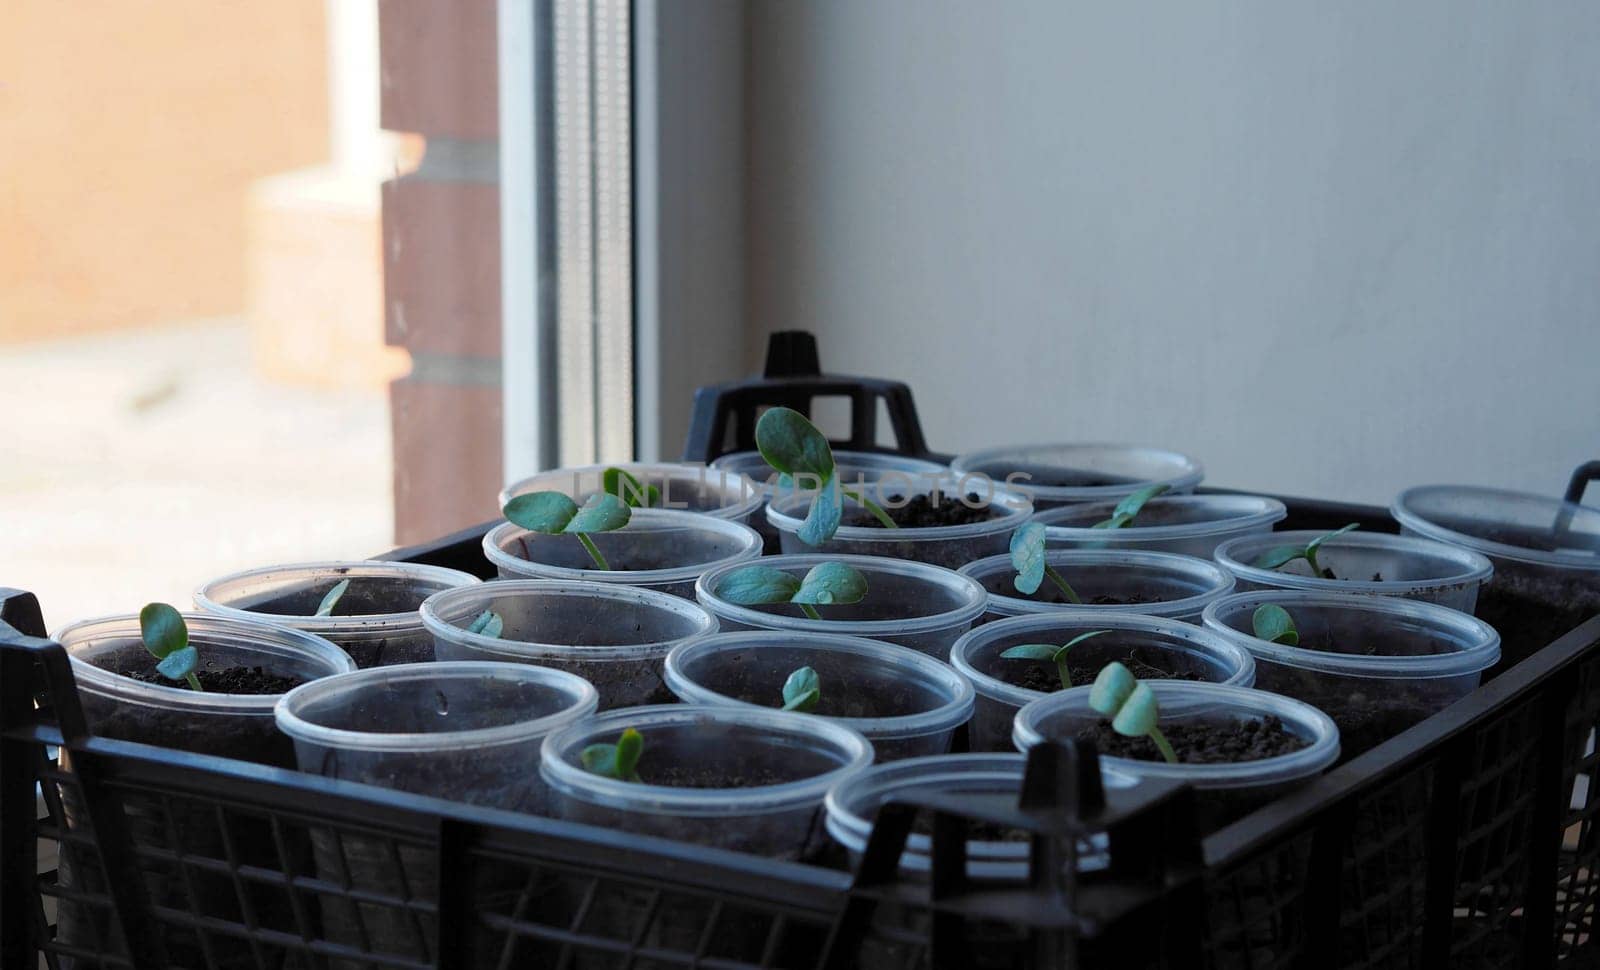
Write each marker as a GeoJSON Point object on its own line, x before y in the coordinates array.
{"type": "Point", "coordinates": [1377, 665]}
{"type": "Point", "coordinates": [240, 726]}
{"type": "Point", "coordinates": [855, 468]}
{"type": "Point", "coordinates": [1223, 792]}
{"type": "Point", "coordinates": [684, 486]}
{"type": "Point", "coordinates": [905, 703]}
{"type": "Point", "coordinates": [1367, 563]}
{"type": "Point", "coordinates": [1189, 525]}
{"type": "Point", "coordinates": [1166, 644]}
{"type": "Point", "coordinates": [942, 545]}
{"type": "Point", "coordinates": [910, 603]}
{"type": "Point", "coordinates": [793, 760]}
{"type": "Point", "coordinates": [1108, 581]}
{"type": "Point", "coordinates": [1546, 556]}
{"type": "Point", "coordinates": [375, 622]}
{"type": "Point", "coordinates": [853, 807]}
{"type": "Point", "coordinates": [615, 637]}
{"type": "Point", "coordinates": [464, 730]}
{"type": "Point", "coordinates": [102, 651]}
{"type": "Point", "coordinates": [658, 549]}
{"type": "Point", "coordinates": [1061, 474]}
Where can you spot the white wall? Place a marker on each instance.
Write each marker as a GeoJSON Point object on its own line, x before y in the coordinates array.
{"type": "Point", "coordinates": [689, 151]}
{"type": "Point", "coordinates": [1329, 249]}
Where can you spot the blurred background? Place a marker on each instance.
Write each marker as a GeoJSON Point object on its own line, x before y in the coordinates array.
{"type": "Point", "coordinates": [313, 278]}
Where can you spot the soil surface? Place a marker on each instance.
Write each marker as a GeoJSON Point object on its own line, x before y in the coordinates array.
{"type": "Point", "coordinates": [1039, 676]}
{"type": "Point", "coordinates": [921, 512]}
{"type": "Point", "coordinates": [1049, 593]}
{"type": "Point", "coordinates": [366, 596]}
{"type": "Point", "coordinates": [677, 776]}
{"type": "Point", "coordinates": [1052, 475]}
{"type": "Point", "coordinates": [1201, 744]}
{"type": "Point", "coordinates": [229, 680]}
{"type": "Point", "coordinates": [1530, 613]}
{"type": "Point", "coordinates": [1327, 646]}
{"type": "Point", "coordinates": [748, 677]}
{"type": "Point", "coordinates": [837, 702]}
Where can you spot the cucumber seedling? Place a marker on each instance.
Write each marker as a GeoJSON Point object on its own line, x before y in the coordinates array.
{"type": "Point", "coordinates": [1050, 653]}
{"type": "Point", "coordinates": [334, 595]}
{"type": "Point", "coordinates": [1284, 555]}
{"type": "Point", "coordinates": [488, 624]}
{"type": "Point", "coordinates": [802, 690]}
{"type": "Point", "coordinates": [552, 513]}
{"type": "Point", "coordinates": [1272, 623]}
{"type": "Point", "coordinates": [633, 493]}
{"type": "Point", "coordinates": [796, 450]}
{"type": "Point", "coordinates": [1128, 509]}
{"type": "Point", "coordinates": [166, 637]}
{"type": "Point", "coordinates": [826, 584]}
{"type": "Point", "coordinates": [619, 760]}
{"type": "Point", "coordinates": [1027, 558]}
{"type": "Point", "coordinates": [1130, 705]}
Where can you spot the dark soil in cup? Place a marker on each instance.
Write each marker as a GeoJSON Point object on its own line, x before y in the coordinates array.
{"type": "Point", "coordinates": [1368, 711]}
{"type": "Point", "coordinates": [229, 680]}
{"type": "Point", "coordinates": [1053, 476]}
{"type": "Point", "coordinates": [1349, 650]}
{"type": "Point", "coordinates": [1530, 612]}
{"type": "Point", "coordinates": [623, 552]}
{"type": "Point", "coordinates": [1048, 592]}
{"type": "Point", "coordinates": [366, 596]}
{"type": "Point", "coordinates": [842, 696]}
{"type": "Point", "coordinates": [1207, 743]}
{"type": "Point", "coordinates": [1033, 675]}
{"type": "Point", "coordinates": [925, 511]}
{"type": "Point", "coordinates": [679, 776]}
{"type": "Point", "coordinates": [619, 683]}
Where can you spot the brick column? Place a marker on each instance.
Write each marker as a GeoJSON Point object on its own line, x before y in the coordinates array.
{"type": "Point", "coordinates": [441, 240]}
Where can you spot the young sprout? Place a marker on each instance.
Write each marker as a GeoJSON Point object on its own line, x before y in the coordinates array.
{"type": "Point", "coordinates": [1273, 624]}
{"type": "Point", "coordinates": [618, 760]}
{"type": "Point", "coordinates": [488, 623]}
{"type": "Point", "coordinates": [1131, 706]}
{"type": "Point", "coordinates": [552, 513]}
{"type": "Point", "coordinates": [794, 447]}
{"type": "Point", "coordinates": [166, 636]}
{"type": "Point", "coordinates": [1050, 653]}
{"type": "Point", "coordinates": [826, 584]}
{"type": "Point", "coordinates": [802, 690]}
{"type": "Point", "coordinates": [1027, 558]}
{"type": "Point", "coordinates": [634, 493]}
{"type": "Point", "coordinates": [1283, 555]}
{"type": "Point", "coordinates": [1129, 507]}
{"type": "Point", "coordinates": [325, 608]}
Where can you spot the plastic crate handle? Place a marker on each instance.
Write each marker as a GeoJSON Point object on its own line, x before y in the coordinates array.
{"type": "Point", "coordinates": [35, 668]}
{"type": "Point", "coordinates": [1585, 473]}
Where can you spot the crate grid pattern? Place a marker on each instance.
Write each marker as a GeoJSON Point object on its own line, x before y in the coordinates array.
{"type": "Point", "coordinates": [1496, 813]}
{"type": "Point", "coordinates": [1577, 882]}
{"type": "Point", "coordinates": [547, 916]}
{"type": "Point", "coordinates": [1384, 875]}
{"type": "Point", "coordinates": [100, 941]}
{"type": "Point", "coordinates": [1253, 919]}
{"type": "Point", "coordinates": [236, 887]}
{"type": "Point", "coordinates": [235, 884]}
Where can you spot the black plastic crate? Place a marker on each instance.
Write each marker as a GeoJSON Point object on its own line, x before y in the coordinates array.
{"type": "Point", "coordinates": [1468, 840]}
{"type": "Point", "coordinates": [184, 860]}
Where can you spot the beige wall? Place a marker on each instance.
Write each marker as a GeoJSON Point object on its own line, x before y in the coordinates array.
{"type": "Point", "coordinates": [129, 136]}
